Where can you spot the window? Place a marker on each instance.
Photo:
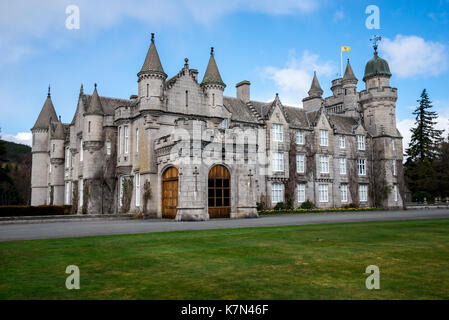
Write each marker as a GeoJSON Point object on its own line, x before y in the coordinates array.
{"type": "Point", "coordinates": [342, 165]}
{"type": "Point", "coordinates": [392, 145]}
{"type": "Point", "coordinates": [344, 193]}
{"type": "Point", "coordinates": [67, 193]}
{"type": "Point", "coordinates": [361, 165]}
{"type": "Point", "coordinates": [67, 158]}
{"type": "Point", "coordinates": [49, 168]}
{"type": "Point", "coordinates": [108, 148]}
{"type": "Point", "coordinates": [53, 147]}
{"type": "Point", "coordinates": [324, 164]}
{"type": "Point", "coordinates": [323, 192]}
{"type": "Point", "coordinates": [394, 167]}
{"type": "Point", "coordinates": [126, 139]}
{"type": "Point", "coordinates": [301, 192]}
{"type": "Point", "coordinates": [277, 192]}
{"type": "Point", "coordinates": [363, 193]}
{"type": "Point", "coordinates": [81, 191]}
{"type": "Point", "coordinates": [120, 198]}
{"type": "Point", "coordinates": [342, 142]}
{"type": "Point", "coordinates": [213, 99]}
{"type": "Point", "coordinates": [300, 163]}
{"type": "Point", "coordinates": [148, 89]}
{"type": "Point", "coordinates": [324, 139]}
{"type": "Point", "coordinates": [137, 140]}
{"type": "Point", "coordinates": [120, 140]}
{"type": "Point", "coordinates": [81, 150]}
{"type": "Point", "coordinates": [278, 162]}
{"type": "Point", "coordinates": [395, 192]}
{"type": "Point", "coordinates": [137, 177]}
{"type": "Point", "coordinates": [224, 124]}
{"type": "Point", "coordinates": [187, 98]}
{"type": "Point", "coordinates": [361, 142]}
{"type": "Point", "coordinates": [299, 137]}
{"type": "Point", "coordinates": [277, 132]}
{"type": "Point", "coordinates": [88, 127]}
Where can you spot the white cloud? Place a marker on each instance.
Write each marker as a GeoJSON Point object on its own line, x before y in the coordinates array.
{"type": "Point", "coordinates": [413, 56]}
{"type": "Point", "coordinates": [294, 80]}
{"type": "Point", "coordinates": [21, 137]}
{"type": "Point", "coordinates": [405, 125]}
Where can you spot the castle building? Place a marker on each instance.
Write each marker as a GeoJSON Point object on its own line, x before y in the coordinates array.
{"type": "Point", "coordinates": [179, 149]}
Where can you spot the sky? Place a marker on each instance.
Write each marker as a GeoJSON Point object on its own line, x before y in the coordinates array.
{"type": "Point", "coordinates": [276, 45]}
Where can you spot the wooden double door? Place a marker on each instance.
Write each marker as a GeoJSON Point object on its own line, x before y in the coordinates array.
{"type": "Point", "coordinates": [170, 193]}
{"type": "Point", "coordinates": [219, 192]}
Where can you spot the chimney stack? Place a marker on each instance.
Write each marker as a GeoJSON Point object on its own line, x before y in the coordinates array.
{"type": "Point", "coordinates": [243, 92]}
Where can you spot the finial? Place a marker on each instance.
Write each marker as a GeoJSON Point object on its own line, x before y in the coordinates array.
{"type": "Point", "coordinates": [81, 89]}
{"type": "Point", "coordinates": [375, 39]}
{"type": "Point", "coordinates": [277, 95]}
{"type": "Point", "coordinates": [348, 60]}
{"type": "Point", "coordinates": [48, 91]}
{"type": "Point", "coordinates": [152, 37]}
{"type": "Point", "coordinates": [95, 85]}
{"type": "Point", "coordinates": [211, 51]}
{"type": "Point", "coordinates": [59, 118]}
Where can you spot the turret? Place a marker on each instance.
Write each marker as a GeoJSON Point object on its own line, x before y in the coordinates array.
{"type": "Point", "coordinates": [151, 80]}
{"type": "Point", "coordinates": [349, 86]}
{"type": "Point", "coordinates": [212, 83]}
{"type": "Point", "coordinates": [40, 153]}
{"type": "Point", "coordinates": [93, 119]}
{"type": "Point", "coordinates": [57, 139]}
{"type": "Point", "coordinates": [314, 100]}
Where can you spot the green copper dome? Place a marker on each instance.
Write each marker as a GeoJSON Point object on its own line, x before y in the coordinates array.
{"type": "Point", "coordinates": [375, 67]}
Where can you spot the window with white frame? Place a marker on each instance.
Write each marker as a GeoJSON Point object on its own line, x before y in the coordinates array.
{"type": "Point", "coordinates": [324, 164]}
{"type": "Point", "coordinates": [224, 124]}
{"type": "Point", "coordinates": [299, 137]}
{"type": "Point", "coordinates": [278, 162]}
{"type": "Point", "coordinates": [342, 162]}
{"type": "Point", "coordinates": [324, 138]}
{"type": "Point", "coordinates": [137, 140]}
{"type": "Point", "coordinates": [344, 193]}
{"type": "Point", "coordinates": [342, 142]}
{"type": "Point", "coordinates": [301, 187]}
{"type": "Point", "coordinates": [323, 192]}
{"type": "Point", "coordinates": [300, 163]}
{"type": "Point", "coordinates": [277, 192]}
{"type": "Point", "coordinates": [120, 150]}
{"type": "Point", "coordinates": [395, 192]}
{"type": "Point", "coordinates": [81, 150]}
{"type": "Point", "coordinates": [108, 148]}
{"type": "Point", "coordinates": [393, 147]}
{"type": "Point", "coordinates": [67, 158]}
{"type": "Point", "coordinates": [137, 178]}
{"type": "Point", "coordinates": [126, 139]}
{"type": "Point", "coordinates": [120, 198]}
{"type": "Point", "coordinates": [394, 167]}
{"type": "Point", "coordinates": [277, 132]}
{"type": "Point", "coordinates": [81, 191]}
{"type": "Point", "coordinates": [361, 142]}
{"type": "Point", "coordinates": [363, 193]}
{"type": "Point", "coordinates": [67, 193]}
{"type": "Point", "coordinates": [361, 165]}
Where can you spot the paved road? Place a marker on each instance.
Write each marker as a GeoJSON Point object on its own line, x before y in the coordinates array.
{"type": "Point", "coordinates": [68, 229]}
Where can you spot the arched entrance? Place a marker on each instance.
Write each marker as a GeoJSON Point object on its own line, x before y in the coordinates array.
{"type": "Point", "coordinates": [170, 193]}
{"type": "Point", "coordinates": [219, 192]}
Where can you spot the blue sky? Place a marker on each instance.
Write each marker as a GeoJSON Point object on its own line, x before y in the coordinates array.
{"type": "Point", "coordinates": [274, 44]}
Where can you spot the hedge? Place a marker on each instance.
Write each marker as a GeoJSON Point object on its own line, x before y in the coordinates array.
{"type": "Point", "coordinates": [293, 211]}
{"type": "Point", "coordinates": [23, 211]}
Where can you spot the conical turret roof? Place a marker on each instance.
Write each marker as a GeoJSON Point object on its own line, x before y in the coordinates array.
{"type": "Point", "coordinates": [212, 75]}
{"type": "Point", "coordinates": [152, 62]}
{"type": "Point", "coordinates": [59, 131]}
{"type": "Point", "coordinates": [47, 114]}
{"type": "Point", "coordinates": [95, 106]}
{"type": "Point", "coordinates": [315, 88]}
{"type": "Point", "coordinates": [349, 74]}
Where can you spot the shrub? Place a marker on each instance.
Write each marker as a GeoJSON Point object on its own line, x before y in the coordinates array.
{"type": "Point", "coordinates": [23, 211]}
{"type": "Point", "coordinates": [351, 206]}
{"type": "Point", "coordinates": [307, 205]}
{"type": "Point", "coordinates": [419, 196]}
{"type": "Point", "coordinates": [279, 206]}
{"type": "Point", "coordinates": [260, 206]}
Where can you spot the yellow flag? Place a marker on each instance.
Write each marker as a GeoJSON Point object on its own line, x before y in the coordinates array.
{"type": "Point", "coordinates": [343, 48]}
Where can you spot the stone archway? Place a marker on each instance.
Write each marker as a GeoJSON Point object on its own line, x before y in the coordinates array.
{"type": "Point", "coordinates": [170, 193]}
{"type": "Point", "coordinates": [219, 192]}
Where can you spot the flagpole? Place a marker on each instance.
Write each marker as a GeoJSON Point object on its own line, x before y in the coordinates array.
{"type": "Point", "coordinates": [341, 63]}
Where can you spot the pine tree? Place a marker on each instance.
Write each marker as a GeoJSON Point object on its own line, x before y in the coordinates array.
{"type": "Point", "coordinates": [426, 140]}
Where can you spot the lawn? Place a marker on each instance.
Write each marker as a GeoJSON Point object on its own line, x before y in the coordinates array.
{"type": "Point", "coordinates": [295, 262]}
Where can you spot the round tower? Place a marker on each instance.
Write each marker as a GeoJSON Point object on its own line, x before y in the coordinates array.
{"type": "Point", "coordinates": [57, 139]}
{"type": "Point", "coordinates": [315, 98]}
{"type": "Point", "coordinates": [212, 83]}
{"type": "Point", "coordinates": [349, 86]}
{"type": "Point", "coordinates": [40, 153]}
{"type": "Point", "coordinates": [151, 80]}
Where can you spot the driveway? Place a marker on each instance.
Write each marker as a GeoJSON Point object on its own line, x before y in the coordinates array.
{"type": "Point", "coordinates": [47, 230]}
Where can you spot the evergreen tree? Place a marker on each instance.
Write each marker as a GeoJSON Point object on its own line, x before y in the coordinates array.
{"type": "Point", "coordinates": [426, 140]}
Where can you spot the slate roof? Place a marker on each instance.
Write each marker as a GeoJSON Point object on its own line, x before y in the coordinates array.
{"type": "Point", "coordinates": [376, 66]}
{"type": "Point", "coordinates": [108, 104]}
{"type": "Point", "coordinates": [212, 75]}
{"type": "Point", "coordinates": [57, 131]}
{"type": "Point", "coordinates": [342, 123]}
{"type": "Point", "coordinates": [152, 62]}
{"type": "Point", "coordinates": [95, 106]}
{"type": "Point", "coordinates": [46, 115]}
{"type": "Point", "coordinates": [315, 88]}
{"type": "Point", "coordinates": [240, 111]}
{"type": "Point", "coordinates": [349, 74]}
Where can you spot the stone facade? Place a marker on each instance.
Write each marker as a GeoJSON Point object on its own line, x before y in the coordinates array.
{"type": "Point", "coordinates": [114, 155]}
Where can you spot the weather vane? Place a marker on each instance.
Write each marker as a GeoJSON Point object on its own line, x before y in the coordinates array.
{"type": "Point", "coordinates": [375, 39]}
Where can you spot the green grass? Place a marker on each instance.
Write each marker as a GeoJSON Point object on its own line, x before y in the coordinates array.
{"type": "Point", "coordinates": [295, 262]}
